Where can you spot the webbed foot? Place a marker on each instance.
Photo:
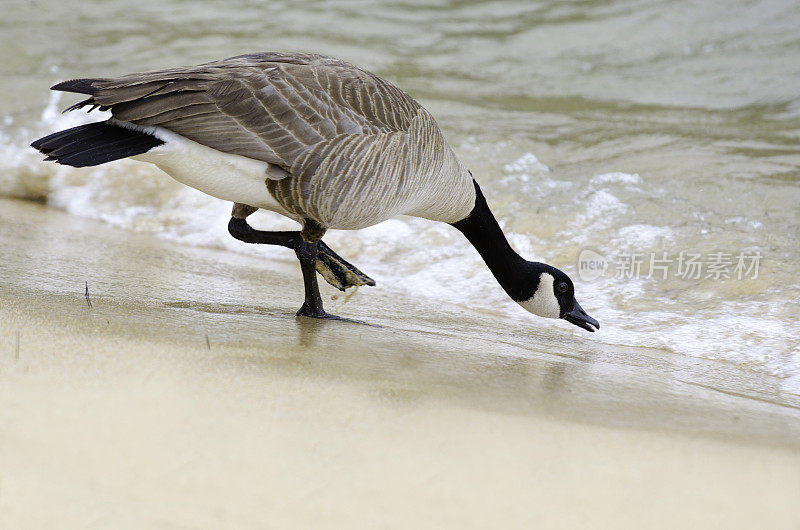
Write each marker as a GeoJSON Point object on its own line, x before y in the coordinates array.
{"type": "Point", "coordinates": [310, 311]}
{"type": "Point", "coordinates": [337, 271]}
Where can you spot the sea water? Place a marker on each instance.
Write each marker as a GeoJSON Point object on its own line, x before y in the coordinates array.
{"type": "Point", "coordinates": [649, 149]}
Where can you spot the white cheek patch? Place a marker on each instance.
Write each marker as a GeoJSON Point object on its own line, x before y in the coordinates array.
{"type": "Point", "coordinates": [543, 302]}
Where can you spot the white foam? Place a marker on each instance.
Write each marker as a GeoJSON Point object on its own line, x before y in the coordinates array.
{"type": "Point", "coordinates": [597, 210]}
{"type": "Point", "coordinates": [620, 178]}
{"type": "Point", "coordinates": [791, 383]}
{"type": "Point", "coordinates": [642, 237]}
{"type": "Point", "coordinates": [528, 177]}
{"type": "Point", "coordinates": [527, 163]}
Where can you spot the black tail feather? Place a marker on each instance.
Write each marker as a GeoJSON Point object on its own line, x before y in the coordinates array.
{"type": "Point", "coordinates": [94, 144]}
{"type": "Point", "coordinates": [81, 104]}
{"type": "Point", "coordinates": [79, 86]}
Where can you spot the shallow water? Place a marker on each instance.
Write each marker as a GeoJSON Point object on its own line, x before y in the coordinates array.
{"type": "Point", "coordinates": [640, 131]}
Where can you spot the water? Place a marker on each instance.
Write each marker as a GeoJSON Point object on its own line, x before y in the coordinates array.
{"type": "Point", "coordinates": [626, 130]}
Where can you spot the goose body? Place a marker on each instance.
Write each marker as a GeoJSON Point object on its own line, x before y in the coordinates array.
{"type": "Point", "coordinates": [336, 144]}
{"type": "Point", "coordinates": [313, 138]}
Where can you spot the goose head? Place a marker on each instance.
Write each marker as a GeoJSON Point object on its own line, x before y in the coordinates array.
{"type": "Point", "coordinates": [548, 292]}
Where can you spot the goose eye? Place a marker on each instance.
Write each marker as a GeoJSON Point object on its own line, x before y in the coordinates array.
{"type": "Point", "coordinates": [563, 287]}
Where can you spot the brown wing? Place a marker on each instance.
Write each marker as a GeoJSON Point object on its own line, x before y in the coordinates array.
{"type": "Point", "coordinates": [269, 106]}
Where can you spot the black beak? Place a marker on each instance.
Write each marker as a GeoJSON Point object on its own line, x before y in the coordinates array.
{"type": "Point", "coordinates": [579, 317]}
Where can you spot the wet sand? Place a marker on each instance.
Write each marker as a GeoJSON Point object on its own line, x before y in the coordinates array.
{"type": "Point", "coordinates": [189, 396]}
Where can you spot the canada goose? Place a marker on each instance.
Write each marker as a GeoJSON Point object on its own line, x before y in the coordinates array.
{"type": "Point", "coordinates": [310, 137]}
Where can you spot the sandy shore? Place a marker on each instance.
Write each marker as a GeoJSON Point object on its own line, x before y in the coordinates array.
{"type": "Point", "coordinates": [189, 396]}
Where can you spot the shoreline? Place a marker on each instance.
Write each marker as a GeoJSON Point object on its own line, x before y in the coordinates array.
{"type": "Point", "coordinates": [189, 394]}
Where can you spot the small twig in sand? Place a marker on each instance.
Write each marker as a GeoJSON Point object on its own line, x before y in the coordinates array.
{"type": "Point", "coordinates": [88, 300]}
{"type": "Point", "coordinates": [208, 341]}
{"type": "Point", "coordinates": [16, 347]}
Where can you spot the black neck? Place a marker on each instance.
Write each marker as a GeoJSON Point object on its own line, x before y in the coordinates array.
{"type": "Point", "coordinates": [508, 267]}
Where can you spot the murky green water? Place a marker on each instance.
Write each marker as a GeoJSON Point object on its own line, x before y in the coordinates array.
{"type": "Point", "coordinates": [646, 132]}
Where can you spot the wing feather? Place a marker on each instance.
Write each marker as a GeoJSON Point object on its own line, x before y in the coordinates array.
{"type": "Point", "coordinates": [272, 107]}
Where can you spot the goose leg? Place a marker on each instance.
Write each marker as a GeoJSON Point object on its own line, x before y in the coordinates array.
{"type": "Point", "coordinates": [307, 250]}
{"type": "Point", "coordinates": [242, 231]}
{"type": "Point", "coordinates": [335, 269]}
{"type": "Point", "coordinates": [307, 253]}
